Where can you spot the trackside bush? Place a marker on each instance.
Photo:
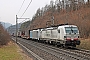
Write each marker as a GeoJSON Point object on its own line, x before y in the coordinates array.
{"type": "Point", "coordinates": [4, 36]}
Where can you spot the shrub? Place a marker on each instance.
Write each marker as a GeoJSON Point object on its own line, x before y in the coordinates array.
{"type": "Point", "coordinates": [4, 36]}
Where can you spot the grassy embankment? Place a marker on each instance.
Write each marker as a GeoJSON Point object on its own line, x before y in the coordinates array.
{"type": "Point", "coordinates": [12, 52]}
{"type": "Point", "coordinates": [85, 44]}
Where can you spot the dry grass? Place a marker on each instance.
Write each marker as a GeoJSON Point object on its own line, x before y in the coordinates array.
{"type": "Point", "coordinates": [12, 52]}
{"type": "Point", "coordinates": [85, 44]}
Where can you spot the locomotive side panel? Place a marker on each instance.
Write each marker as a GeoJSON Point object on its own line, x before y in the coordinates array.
{"type": "Point", "coordinates": [54, 34]}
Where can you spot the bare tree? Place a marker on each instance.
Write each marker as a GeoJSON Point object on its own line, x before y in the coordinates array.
{"type": "Point", "coordinates": [42, 12]}
{"type": "Point", "coordinates": [88, 1]}
{"type": "Point", "coordinates": [38, 12]}
{"type": "Point", "coordinates": [63, 4]}
{"type": "Point", "coordinates": [58, 5]}
{"type": "Point", "coordinates": [67, 7]}
{"type": "Point", "coordinates": [46, 8]}
{"type": "Point", "coordinates": [51, 3]}
{"type": "Point", "coordinates": [73, 4]}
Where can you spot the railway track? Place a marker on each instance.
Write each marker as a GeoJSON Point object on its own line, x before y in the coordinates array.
{"type": "Point", "coordinates": [81, 52]}
{"type": "Point", "coordinates": [37, 50]}
{"type": "Point", "coordinates": [59, 53]}
{"type": "Point", "coordinates": [29, 51]}
{"type": "Point", "coordinates": [75, 54]}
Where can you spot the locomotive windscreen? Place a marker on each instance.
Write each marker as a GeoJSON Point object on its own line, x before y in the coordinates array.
{"type": "Point", "coordinates": [71, 29]}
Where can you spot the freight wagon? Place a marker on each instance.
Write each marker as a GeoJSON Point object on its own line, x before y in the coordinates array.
{"type": "Point", "coordinates": [25, 34]}
{"type": "Point", "coordinates": [34, 34]}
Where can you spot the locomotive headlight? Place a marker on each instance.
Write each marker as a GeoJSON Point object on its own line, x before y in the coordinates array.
{"type": "Point", "coordinates": [72, 39]}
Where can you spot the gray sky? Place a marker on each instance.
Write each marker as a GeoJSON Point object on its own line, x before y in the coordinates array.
{"type": "Point", "coordinates": [9, 9]}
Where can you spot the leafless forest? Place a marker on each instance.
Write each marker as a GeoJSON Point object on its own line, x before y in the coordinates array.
{"type": "Point", "coordinates": [66, 11]}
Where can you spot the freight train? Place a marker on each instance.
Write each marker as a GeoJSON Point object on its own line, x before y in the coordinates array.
{"type": "Point", "coordinates": [61, 35]}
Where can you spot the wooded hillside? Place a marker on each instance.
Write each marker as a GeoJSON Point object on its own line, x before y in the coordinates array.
{"type": "Point", "coordinates": [75, 12]}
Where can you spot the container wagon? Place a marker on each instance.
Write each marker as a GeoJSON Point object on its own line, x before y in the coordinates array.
{"type": "Point", "coordinates": [34, 34]}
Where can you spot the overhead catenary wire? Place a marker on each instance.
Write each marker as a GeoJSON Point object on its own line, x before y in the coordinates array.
{"type": "Point", "coordinates": [24, 20]}
{"type": "Point", "coordinates": [26, 8]}
{"type": "Point", "coordinates": [21, 6]}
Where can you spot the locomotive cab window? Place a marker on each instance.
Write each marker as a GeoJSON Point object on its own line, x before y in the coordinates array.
{"type": "Point", "coordinates": [71, 29]}
{"type": "Point", "coordinates": [58, 31]}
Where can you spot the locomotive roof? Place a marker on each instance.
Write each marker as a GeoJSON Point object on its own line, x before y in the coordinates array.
{"type": "Point", "coordinates": [57, 25]}
{"type": "Point", "coordinates": [68, 26]}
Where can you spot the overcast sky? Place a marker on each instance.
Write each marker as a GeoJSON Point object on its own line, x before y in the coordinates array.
{"type": "Point", "coordinates": [9, 9]}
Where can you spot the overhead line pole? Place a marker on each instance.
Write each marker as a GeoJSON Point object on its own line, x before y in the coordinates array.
{"type": "Point", "coordinates": [17, 25]}
{"type": "Point", "coordinates": [16, 28]}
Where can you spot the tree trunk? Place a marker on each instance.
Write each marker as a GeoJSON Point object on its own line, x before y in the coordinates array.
{"type": "Point", "coordinates": [88, 1]}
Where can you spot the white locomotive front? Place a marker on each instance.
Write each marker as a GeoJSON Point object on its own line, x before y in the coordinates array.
{"type": "Point", "coordinates": [69, 34]}
{"type": "Point", "coordinates": [65, 35]}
